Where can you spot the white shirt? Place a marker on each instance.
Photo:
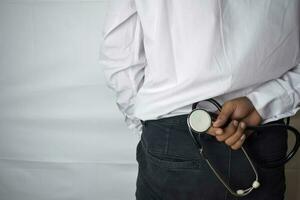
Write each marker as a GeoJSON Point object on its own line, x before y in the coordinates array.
{"type": "Point", "coordinates": [161, 56]}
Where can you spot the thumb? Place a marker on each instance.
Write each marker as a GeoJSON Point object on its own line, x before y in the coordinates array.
{"type": "Point", "coordinates": [224, 115]}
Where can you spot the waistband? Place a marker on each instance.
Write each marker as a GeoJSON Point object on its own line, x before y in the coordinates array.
{"type": "Point", "coordinates": [181, 121]}
{"type": "Point", "coordinates": [177, 121]}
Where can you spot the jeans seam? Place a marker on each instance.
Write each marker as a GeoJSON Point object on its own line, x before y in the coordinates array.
{"type": "Point", "coordinates": [175, 156]}
{"type": "Point", "coordinates": [187, 164]}
{"type": "Point", "coordinates": [229, 170]}
{"type": "Point", "coordinates": [167, 141]}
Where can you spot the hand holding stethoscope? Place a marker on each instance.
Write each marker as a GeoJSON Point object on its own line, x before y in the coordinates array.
{"type": "Point", "coordinates": [229, 123]}
{"type": "Point", "coordinates": [201, 119]}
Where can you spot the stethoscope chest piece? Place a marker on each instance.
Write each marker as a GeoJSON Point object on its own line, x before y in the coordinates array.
{"type": "Point", "coordinates": [199, 120]}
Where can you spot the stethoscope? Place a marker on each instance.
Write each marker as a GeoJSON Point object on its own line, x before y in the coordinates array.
{"type": "Point", "coordinates": [199, 120]}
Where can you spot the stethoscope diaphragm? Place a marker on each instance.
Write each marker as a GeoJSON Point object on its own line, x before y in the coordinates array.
{"type": "Point", "coordinates": [199, 120]}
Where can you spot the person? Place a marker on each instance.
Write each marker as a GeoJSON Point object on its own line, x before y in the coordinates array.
{"type": "Point", "coordinates": [160, 57]}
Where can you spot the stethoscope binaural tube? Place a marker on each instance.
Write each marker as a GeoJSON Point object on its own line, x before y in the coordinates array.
{"type": "Point", "coordinates": [281, 161]}
{"type": "Point", "coordinates": [199, 121]}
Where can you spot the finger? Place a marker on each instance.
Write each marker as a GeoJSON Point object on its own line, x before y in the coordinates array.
{"type": "Point", "coordinates": [228, 131]}
{"type": "Point", "coordinates": [239, 143]}
{"type": "Point", "coordinates": [224, 115]}
{"type": "Point", "coordinates": [237, 135]}
{"type": "Point", "coordinates": [212, 131]}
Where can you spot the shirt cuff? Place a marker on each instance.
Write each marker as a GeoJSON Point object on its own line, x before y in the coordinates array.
{"type": "Point", "coordinates": [133, 124]}
{"type": "Point", "coordinates": [272, 102]}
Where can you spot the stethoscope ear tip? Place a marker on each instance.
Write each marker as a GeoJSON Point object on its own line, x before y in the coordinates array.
{"type": "Point", "coordinates": [240, 192]}
{"type": "Point", "coordinates": [255, 184]}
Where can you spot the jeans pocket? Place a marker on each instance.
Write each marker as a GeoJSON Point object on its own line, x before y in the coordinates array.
{"type": "Point", "coordinates": [172, 162]}
{"type": "Point", "coordinates": [169, 148]}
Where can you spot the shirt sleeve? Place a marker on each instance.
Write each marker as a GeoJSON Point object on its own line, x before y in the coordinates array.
{"type": "Point", "coordinates": [123, 58]}
{"type": "Point", "coordinates": [278, 98]}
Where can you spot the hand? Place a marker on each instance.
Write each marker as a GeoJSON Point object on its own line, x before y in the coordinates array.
{"type": "Point", "coordinates": [242, 113]}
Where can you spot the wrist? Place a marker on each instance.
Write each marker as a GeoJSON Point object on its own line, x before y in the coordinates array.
{"type": "Point", "coordinates": [255, 107]}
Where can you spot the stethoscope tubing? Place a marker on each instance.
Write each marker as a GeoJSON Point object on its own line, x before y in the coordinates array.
{"type": "Point", "coordinates": [279, 162]}
{"type": "Point", "coordinates": [260, 128]}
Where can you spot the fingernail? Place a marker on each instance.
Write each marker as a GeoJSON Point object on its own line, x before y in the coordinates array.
{"type": "Point", "coordinates": [217, 121]}
{"type": "Point", "coordinates": [243, 137]}
{"type": "Point", "coordinates": [235, 122]}
{"type": "Point", "coordinates": [243, 125]}
{"type": "Point", "coordinates": [219, 131]}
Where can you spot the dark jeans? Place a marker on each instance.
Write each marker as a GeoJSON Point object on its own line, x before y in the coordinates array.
{"type": "Point", "coordinates": [171, 168]}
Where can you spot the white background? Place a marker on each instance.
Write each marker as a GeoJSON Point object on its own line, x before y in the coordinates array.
{"type": "Point", "coordinates": [61, 134]}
